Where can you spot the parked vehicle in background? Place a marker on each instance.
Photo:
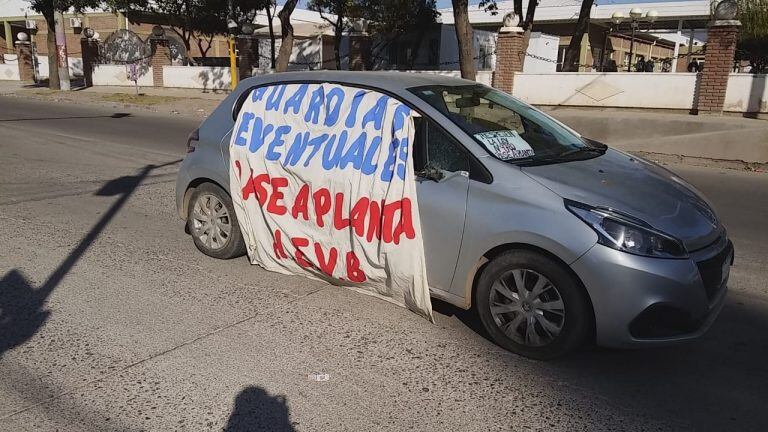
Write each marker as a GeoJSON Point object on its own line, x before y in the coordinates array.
{"type": "Point", "coordinates": [553, 239]}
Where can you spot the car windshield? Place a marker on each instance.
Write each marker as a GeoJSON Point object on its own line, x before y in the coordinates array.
{"type": "Point", "coordinates": [509, 129]}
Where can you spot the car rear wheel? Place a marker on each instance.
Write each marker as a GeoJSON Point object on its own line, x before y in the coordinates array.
{"type": "Point", "coordinates": [212, 223]}
{"type": "Point", "coordinates": [531, 305]}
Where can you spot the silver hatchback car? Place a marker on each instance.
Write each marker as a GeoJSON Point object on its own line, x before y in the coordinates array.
{"type": "Point", "coordinates": [568, 242]}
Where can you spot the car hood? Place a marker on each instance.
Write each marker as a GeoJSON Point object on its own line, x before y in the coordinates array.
{"type": "Point", "coordinates": [636, 187]}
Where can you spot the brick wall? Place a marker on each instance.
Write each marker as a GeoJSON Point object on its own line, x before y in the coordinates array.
{"type": "Point", "coordinates": [509, 59]}
{"type": "Point", "coordinates": [718, 62]}
{"type": "Point", "coordinates": [161, 56]}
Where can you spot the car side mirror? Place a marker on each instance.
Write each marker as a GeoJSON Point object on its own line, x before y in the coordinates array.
{"type": "Point", "coordinates": [431, 173]}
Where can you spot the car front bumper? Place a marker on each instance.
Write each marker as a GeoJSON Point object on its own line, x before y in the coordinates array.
{"type": "Point", "coordinates": [641, 301]}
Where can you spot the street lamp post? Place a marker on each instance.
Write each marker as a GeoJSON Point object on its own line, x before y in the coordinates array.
{"type": "Point", "coordinates": [634, 15]}
{"type": "Point", "coordinates": [617, 17]}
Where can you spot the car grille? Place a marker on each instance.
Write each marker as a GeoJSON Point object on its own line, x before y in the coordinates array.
{"type": "Point", "coordinates": [711, 271]}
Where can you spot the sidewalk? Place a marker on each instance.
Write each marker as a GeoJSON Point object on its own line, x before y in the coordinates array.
{"type": "Point", "coordinates": [729, 141]}
{"type": "Point", "coordinates": [186, 102]}
{"type": "Point", "coordinates": [718, 138]}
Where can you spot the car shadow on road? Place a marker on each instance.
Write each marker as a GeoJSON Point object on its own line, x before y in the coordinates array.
{"type": "Point", "coordinates": [717, 382]}
{"type": "Point", "coordinates": [256, 410]}
{"type": "Point", "coordinates": [22, 306]}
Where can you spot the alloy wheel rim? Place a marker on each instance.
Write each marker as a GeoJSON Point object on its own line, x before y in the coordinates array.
{"type": "Point", "coordinates": [527, 307]}
{"type": "Point", "coordinates": [211, 223]}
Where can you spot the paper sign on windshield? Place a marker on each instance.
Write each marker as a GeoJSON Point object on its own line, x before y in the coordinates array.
{"type": "Point", "coordinates": [323, 185]}
{"type": "Point", "coordinates": [505, 144]}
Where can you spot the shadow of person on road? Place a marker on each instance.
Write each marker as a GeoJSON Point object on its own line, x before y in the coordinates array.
{"type": "Point", "coordinates": [22, 306]}
{"type": "Point", "coordinates": [257, 410]}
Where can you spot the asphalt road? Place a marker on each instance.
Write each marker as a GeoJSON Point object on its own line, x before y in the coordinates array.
{"type": "Point", "coordinates": [110, 319]}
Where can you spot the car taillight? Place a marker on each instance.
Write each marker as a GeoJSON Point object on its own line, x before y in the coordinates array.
{"type": "Point", "coordinates": [193, 138]}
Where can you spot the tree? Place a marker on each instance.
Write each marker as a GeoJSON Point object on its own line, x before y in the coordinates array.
{"type": "Point", "coordinates": [571, 58]}
{"type": "Point", "coordinates": [464, 36]}
{"type": "Point", "coordinates": [47, 8]}
{"type": "Point", "coordinates": [753, 37]}
{"type": "Point", "coordinates": [339, 10]}
{"type": "Point", "coordinates": [286, 34]}
{"type": "Point", "coordinates": [190, 20]}
{"type": "Point", "coordinates": [270, 9]}
{"type": "Point", "coordinates": [390, 20]}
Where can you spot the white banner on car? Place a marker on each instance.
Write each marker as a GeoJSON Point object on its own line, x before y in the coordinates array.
{"type": "Point", "coordinates": [322, 184]}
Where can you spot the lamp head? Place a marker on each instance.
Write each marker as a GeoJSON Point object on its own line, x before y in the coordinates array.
{"type": "Point", "coordinates": [636, 13]}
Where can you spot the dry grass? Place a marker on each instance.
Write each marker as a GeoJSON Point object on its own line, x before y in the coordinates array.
{"type": "Point", "coordinates": [140, 99]}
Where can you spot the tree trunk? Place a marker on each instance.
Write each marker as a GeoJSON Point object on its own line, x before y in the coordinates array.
{"type": "Point", "coordinates": [571, 58]}
{"type": "Point", "coordinates": [271, 37]}
{"type": "Point", "coordinates": [286, 47]}
{"type": "Point", "coordinates": [53, 62]}
{"type": "Point", "coordinates": [464, 38]}
{"type": "Point", "coordinates": [338, 34]}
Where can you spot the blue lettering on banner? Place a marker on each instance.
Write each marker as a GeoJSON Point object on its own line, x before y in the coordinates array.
{"type": "Point", "coordinates": [316, 143]}
{"type": "Point", "coordinates": [330, 156]}
{"type": "Point", "coordinates": [274, 98]}
{"type": "Point", "coordinates": [315, 103]}
{"type": "Point", "coordinates": [352, 146]}
{"type": "Point", "coordinates": [352, 116]}
{"type": "Point", "coordinates": [296, 99]}
{"type": "Point", "coordinates": [369, 167]}
{"type": "Point", "coordinates": [332, 112]}
{"type": "Point", "coordinates": [296, 151]}
{"type": "Point", "coordinates": [354, 153]}
{"type": "Point", "coordinates": [277, 141]}
{"type": "Point", "coordinates": [376, 113]}
{"type": "Point", "coordinates": [260, 132]}
{"type": "Point", "coordinates": [401, 113]}
{"type": "Point", "coordinates": [245, 123]}
{"type": "Point", "coordinates": [259, 93]}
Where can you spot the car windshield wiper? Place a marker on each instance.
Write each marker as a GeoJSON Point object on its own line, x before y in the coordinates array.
{"type": "Point", "coordinates": [559, 157]}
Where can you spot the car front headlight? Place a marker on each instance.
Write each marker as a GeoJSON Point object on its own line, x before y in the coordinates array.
{"type": "Point", "coordinates": [627, 234]}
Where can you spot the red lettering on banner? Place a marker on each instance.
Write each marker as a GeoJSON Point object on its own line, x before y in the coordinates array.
{"type": "Point", "coordinates": [405, 226]}
{"type": "Point", "coordinates": [338, 221]}
{"type": "Point", "coordinates": [298, 243]}
{"type": "Point", "coordinates": [357, 216]}
{"type": "Point", "coordinates": [326, 266]}
{"type": "Point", "coordinates": [322, 202]}
{"type": "Point", "coordinates": [239, 169]}
{"type": "Point", "coordinates": [354, 273]}
{"type": "Point", "coordinates": [273, 206]}
{"type": "Point", "coordinates": [374, 221]}
{"type": "Point", "coordinates": [277, 245]}
{"type": "Point", "coordinates": [368, 219]}
{"type": "Point", "coordinates": [300, 205]}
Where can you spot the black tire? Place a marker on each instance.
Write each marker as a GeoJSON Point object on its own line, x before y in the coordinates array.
{"type": "Point", "coordinates": [234, 245]}
{"type": "Point", "coordinates": [576, 322]}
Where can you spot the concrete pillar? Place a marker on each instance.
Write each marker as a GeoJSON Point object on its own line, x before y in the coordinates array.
{"type": "Point", "coordinates": [359, 51]}
{"type": "Point", "coordinates": [718, 63]}
{"type": "Point", "coordinates": [509, 58]}
{"type": "Point", "coordinates": [161, 57]}
{"type": "Point", "coordinates": [90, 50]}
{"type": "Point", "coordinates": [26, 66]}
{"type": "Point", "coordinates": [247, 55]}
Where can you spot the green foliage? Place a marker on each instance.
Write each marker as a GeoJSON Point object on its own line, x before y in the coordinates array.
{"type": "Point", "coordinates": [392, 18]}
{"type": "Point", "coordinates": [753, 36]}
{"type": "Point", "coordinates": [753, 15]}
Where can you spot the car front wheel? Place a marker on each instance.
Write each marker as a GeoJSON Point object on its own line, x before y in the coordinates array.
{"type": "Point", "coordinates": [212, 223]}
{"type": "Point", "coordinates": [533, 306]}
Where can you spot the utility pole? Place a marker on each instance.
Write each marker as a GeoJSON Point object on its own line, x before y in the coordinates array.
{"type": "Point", "coordinates": [61, 49]}
{"type": "Point", "coordinates": [232, 28]}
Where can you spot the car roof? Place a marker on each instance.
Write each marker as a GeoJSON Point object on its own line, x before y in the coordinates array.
{"type": "Point", "coordinates": [391, 81]}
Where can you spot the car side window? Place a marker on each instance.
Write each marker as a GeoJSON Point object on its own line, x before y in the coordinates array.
{"type": "Point", "coordinates": [443, 152]}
